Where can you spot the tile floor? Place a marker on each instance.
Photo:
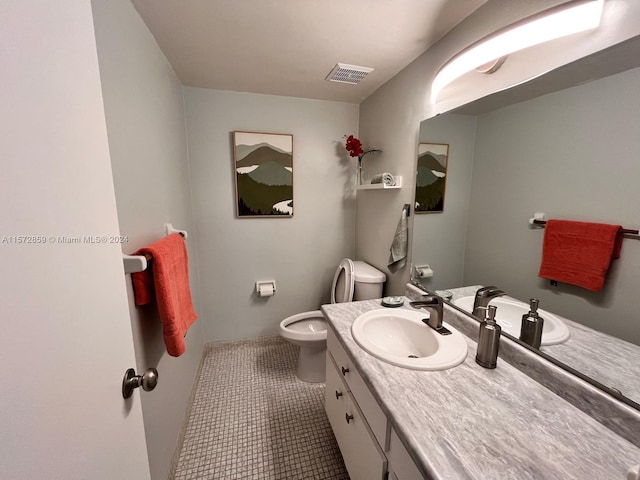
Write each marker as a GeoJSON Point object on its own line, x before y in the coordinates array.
{"type": "Point", "coordinates": [252, 418]}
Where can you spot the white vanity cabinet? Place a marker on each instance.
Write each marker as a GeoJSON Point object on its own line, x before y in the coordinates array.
{"type": "Point", "coordinates": [350, 410]}
{"type": "Point", "coordinates": [363, 432]}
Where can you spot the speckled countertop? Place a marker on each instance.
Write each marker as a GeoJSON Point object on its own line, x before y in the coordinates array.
{"type": "Point", "coordinates": [472, 423]}
{"type": "Point", "coordinates": [618, 364]}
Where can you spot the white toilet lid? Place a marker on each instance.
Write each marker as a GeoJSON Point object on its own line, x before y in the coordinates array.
{"type": "Point", "coordinates": [343, 282]}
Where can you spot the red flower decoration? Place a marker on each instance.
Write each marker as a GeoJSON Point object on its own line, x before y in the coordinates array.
{"type": "Point", "coordinates": [354, 146]}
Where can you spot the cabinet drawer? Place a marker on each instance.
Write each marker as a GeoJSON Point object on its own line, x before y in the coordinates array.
{"type": "Point", "coordinates": [362, 456]}
{"type": "Point", "coordinates": [335, 400]}
{"type": "Point", "coordinates": [400, 462]}
{"type": "Point", "coordinates": [375, 417]}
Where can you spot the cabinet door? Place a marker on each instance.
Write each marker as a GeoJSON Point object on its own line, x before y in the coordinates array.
{"type": "Point", "coordinates": [400, 461]}
{"type": "Point", "coordinates": [335, 401]}
{"type": "Point", "coordinates": [376, 419]}
{"type": "Point", "coordinates": [362, 456]}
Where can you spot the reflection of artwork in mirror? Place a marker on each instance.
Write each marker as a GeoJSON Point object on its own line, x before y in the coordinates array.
{"type": "Point", "coordinates": [264, 174]}
{"type": "Point", "coordinates": [431, 177]}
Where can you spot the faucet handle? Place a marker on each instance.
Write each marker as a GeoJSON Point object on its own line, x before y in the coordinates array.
{"type": "Point", "coordinates": [489, 291]}
{"type": "Point", "coordinates": [484, 291]}
{"type": "Point", "coordinates": [436, 299]}
{"type": "Point", "coordinates": [428, 301]}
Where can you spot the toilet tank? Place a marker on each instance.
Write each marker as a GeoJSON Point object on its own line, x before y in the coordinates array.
{"type": "Point", "coordinates": [368, 281]}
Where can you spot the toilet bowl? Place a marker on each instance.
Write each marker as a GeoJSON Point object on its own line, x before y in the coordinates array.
{"type": "Point", "coordinates": [352, 281]}
{"type": "Point", "coordinates": [308, 330]}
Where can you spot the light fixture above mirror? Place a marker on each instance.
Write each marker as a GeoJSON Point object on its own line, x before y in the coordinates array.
{"type": "Point", "coordinates": [551, 24]}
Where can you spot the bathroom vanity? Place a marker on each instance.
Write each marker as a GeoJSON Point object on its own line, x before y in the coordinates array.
{"type": "Point", "coordinates": [368, 443]}
{"type": "Point", "coordinates": [466, 422]}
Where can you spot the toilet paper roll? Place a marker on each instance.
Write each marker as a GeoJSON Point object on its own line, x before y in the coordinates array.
{"type": "Point", "coordinates": [424, 272]}
{"type": "Point", "coordinates": [265, 290]}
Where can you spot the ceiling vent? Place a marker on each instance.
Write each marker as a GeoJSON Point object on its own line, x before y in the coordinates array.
{"type": "Point", "coordinates": [344, 73]}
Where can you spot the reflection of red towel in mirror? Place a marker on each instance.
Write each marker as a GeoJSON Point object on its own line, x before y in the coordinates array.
{"type": "Point", "coordinates": [579, 253]}
{"type": "Point", "coordinates": [168, 276]}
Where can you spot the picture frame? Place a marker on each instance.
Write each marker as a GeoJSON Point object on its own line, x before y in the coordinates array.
{"type": "Point", "coordinates": [431, 177]}
{"type": "Point", "coordinates": [263, 172]}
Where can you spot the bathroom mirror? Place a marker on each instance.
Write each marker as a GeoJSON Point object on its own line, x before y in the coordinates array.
{"type": "Point", "coordinates": [567, 144]}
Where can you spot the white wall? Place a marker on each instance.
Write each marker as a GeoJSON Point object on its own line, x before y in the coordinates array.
{"type": "Point", "coordinates": [300, 253]}
{"type": "Point", "coordinates": [434, 244]}
{"type": "Point", "coordinates": [66, 340]}
{"type": "Point", "coordinates": [572, 154]}
{"type": "Point", "coordinates": [389, 119]}
{"type": "Point", "coordinates": [147, 139]}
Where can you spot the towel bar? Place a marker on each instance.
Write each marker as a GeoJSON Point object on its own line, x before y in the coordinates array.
{"type": "Point", "coordinates": [625, 231]}
{"type": "Point", "coordinates": [169, 229]}
{"type": "Point", "coordinates": [135, 263]}
{"type": "Point", "coordinates": [139, 263]}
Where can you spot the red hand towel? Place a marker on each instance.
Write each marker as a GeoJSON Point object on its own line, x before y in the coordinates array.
{"type": "Point", "coordinates": [579, 253]}
{"type": "Point", "coordinates": [169, 277]}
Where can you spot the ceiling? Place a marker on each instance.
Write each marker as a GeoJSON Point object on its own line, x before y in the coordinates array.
{"type": "Point", "coordinates": [287, 47]}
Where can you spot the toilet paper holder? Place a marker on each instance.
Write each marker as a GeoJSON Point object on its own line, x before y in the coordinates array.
{"type": "Point", "coordinates": [423, 271]}
{"type": "Point", "coordinates": [266, 288]}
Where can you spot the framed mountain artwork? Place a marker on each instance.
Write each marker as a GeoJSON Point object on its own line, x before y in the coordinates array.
{"type": "Point", "coordinates": [263, 164]}
{"type": "Point", "coordinates": [431, 177]}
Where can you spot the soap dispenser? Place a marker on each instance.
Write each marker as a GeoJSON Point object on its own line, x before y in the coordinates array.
{"type": "Point", "coordinates": [531, 327]}
{"type": "Point", "coordinates": [489, 340]}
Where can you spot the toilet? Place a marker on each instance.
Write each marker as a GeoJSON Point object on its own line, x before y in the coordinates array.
{"type": "Point", "coordinates": [353, 281]}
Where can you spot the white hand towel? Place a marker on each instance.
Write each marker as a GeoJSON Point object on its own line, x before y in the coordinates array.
{"type": "Point", "coordinates": [399, 246]}
{"type": "Point", "coordinates": [385, 178]}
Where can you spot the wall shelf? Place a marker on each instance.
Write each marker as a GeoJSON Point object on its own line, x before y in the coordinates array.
{"type": "Point", "coordinates": [382, 186]}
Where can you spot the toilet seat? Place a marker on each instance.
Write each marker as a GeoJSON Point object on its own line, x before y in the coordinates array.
{"type": "Point", "coordinates": [343, 282]}
{"type": "Point", "coordinates": [307, 326]}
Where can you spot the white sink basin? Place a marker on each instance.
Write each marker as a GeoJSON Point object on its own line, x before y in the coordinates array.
{"type": "Point", "coordinates": [509, 317]}
{"type": "Point", "coordinates": [399, 337]}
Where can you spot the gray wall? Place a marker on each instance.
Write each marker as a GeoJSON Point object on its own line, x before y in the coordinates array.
{"type": "Point", "coordinates": [147, 140]}
{"type": "Point", "coordinates": [390, 118]}
{"type": "Point", "coordinates": [301, 253]}
{"type": "Point", "coordinates": [439, 238]}
{"type": "Point", "coordinates": [572, 154]}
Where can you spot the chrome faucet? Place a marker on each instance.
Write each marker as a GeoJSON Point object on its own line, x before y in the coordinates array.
{"type": "Point", "coordinates": [483, 296]}
{"type": "Point", "coordinates": [433, 304]}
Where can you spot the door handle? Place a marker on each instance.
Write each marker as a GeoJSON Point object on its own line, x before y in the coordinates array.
{"type": "Point", "coordinates": [131, 381]}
